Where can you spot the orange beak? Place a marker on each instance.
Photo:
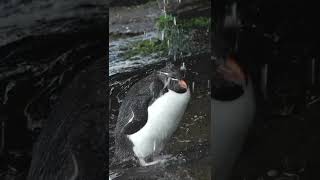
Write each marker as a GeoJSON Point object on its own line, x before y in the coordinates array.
{"type": "Point", "coordinates": [232, 71]}
{"type": "Point", "coordinates": [183, 84]}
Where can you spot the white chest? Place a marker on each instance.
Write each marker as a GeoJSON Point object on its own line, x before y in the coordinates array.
{"type": "Point", "coordinates": [230, 123]}
{"type": "Point", "coordinates": [164, 116]}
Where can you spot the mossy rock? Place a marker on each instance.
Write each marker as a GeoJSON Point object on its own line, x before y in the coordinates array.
{"type": "Point", "coordinates": [145, 47]}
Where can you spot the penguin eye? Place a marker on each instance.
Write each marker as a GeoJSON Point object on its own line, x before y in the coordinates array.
{"type": "Point", "coordinates": [169, 76]}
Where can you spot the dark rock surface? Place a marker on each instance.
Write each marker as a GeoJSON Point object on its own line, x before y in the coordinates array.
{"type": "Point", "coordinates": [52, 83]}
{"type": "Point", "coordinates": [133, 20]}
{"type": "Point", "coordinates": [72, 143]}
{"type": "Point", "coordinates": [117, 3]}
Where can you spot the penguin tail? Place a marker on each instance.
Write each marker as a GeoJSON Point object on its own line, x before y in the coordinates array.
{"type": "Point", "coordinates": [123, 147]}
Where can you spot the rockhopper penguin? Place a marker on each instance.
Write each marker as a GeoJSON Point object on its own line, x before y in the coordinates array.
{"type": "Point", "coordinates": [150, 114]}
{"type": "Point", "coordinates": [232, 111]}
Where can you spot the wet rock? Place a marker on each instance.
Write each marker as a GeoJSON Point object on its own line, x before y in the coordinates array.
{"type": "Point", "coordinates": [40, 56]}
{"type": "Point", "coordinates": [74, 135]}
{"type": "Point", "coordinates": [20, 19]}
{"type": "Point", "coordinates": [185, 8]}
{"type": "Point", "coordinates": [114, 3]}
{"type": "Point", "coordinates": [133, 20]}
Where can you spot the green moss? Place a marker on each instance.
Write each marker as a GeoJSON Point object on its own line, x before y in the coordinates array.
{"type": "Point", "coordinates": [177, 35]}
{"type": "Point", "coordinates": [199, 22]}
{"type": "Point", "coordinates": [146, 47]}
{"type": "Point", "coordinates": [167, 22]}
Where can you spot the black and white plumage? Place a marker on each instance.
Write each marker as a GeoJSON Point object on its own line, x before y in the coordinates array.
{"type": "Point", "coordinates": [150, 113]}
{"type": "Point", "coordinates": [232, 111]}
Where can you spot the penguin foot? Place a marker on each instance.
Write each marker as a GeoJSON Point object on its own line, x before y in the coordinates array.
{"type": "Point", "coordinates": [144, 163]}
{"type": "Point", "coordinates": [156, 160]}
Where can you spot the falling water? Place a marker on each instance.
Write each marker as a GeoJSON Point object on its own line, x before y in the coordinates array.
{"type": "Point", "coordinates": [144, 35]}
{"type": "Point", "coordinates": [162, 35]}
{"type": "Point", "coordinates": [183, 67]}
{"type": "Point", "coordinates": [193, 84]}
{"type": "Point", "coordinates": [164, 8]}
{"type": "Point", "coordinates": [174, 21]}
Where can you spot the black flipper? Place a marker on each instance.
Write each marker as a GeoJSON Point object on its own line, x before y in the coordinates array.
{"type": "Point", "coordinates": [137, 110]}
{"type": "Point", "coordinates": [138, 116]}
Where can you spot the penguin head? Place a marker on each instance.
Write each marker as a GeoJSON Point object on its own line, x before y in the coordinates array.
{"type": "Point", "coordinates": [229, 79]}
{"type": "Point", "coordinates": [172, 78]}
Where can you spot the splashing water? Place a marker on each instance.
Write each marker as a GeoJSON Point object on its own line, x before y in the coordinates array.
{"type": "Point", "coordinates": [164, 8]}
{"type": "Point", "coordinates": [162, 35]}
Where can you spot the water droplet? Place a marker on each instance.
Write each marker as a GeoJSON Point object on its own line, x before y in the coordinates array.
{"type": "Point", "coordinates": [183, 68]}
{"type": "Point", "coordinates": [174, 21]}
{"type": "Point", "coordinates": [164, 8]}
{"type": "Point", "coordinates": [162, 35]}
{"type": "Point", "coordinates": [193, 84]}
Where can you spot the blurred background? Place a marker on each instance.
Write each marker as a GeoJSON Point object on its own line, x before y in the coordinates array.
{"type": "Point", "coordinates": [277, 42]}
